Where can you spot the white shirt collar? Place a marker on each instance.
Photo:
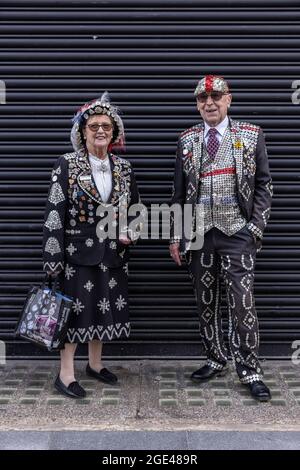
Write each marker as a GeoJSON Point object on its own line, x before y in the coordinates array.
{"type": "Point", "coordinates": [221, 127]}
{"type": "Point", "coordinates": [96, 160]}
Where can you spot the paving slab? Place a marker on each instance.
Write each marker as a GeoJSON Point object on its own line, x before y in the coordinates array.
{"type": "Point", "coordinates": [150, 396]}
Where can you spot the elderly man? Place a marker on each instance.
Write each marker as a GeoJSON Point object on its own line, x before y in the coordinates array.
{"type": "Point", "coordinates": [222, 167]}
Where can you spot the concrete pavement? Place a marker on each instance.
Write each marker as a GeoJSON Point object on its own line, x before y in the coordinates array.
{"type": "Point", "coordinates": [154, 406]}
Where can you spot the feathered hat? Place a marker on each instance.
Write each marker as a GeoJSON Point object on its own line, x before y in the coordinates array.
{"type": "Point", "coordinates": [100, 105]}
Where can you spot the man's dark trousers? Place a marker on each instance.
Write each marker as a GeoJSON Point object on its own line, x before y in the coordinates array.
{"type": "Point", "coordinates": [231, 258]}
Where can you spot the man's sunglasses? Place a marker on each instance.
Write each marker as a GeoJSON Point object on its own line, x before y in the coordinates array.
{"type": "Point", "coordinates": [215, 96]}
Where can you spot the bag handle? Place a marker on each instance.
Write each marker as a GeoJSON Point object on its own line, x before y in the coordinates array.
{"type": "Point", "coordinates": [50, 282]}
{"type": "Point", "coordinates": [54, 286]}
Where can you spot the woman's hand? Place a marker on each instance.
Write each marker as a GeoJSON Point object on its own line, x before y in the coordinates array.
{"type": "Point", "coordinates": [124, 240]}
{"type": "Point", "coordinates": [53, 274]}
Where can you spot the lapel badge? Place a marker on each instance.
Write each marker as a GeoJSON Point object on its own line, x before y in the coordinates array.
{"type": "Point", "coordinates": [238, 144]}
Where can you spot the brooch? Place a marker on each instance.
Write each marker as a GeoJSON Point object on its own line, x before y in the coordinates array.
{"type": "Point", "coordinates": [238, 144]}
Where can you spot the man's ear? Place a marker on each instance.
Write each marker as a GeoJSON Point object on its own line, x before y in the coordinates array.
{"type": "Point", "coordinates": [229, 100]}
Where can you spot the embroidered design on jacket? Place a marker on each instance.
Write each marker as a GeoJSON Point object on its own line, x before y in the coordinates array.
{"type": "Point", "coordinates": [53, 221]}
{"type": "Point", "coordinates": [56, 194]}
{"type": "Point", "coordinates": [52, 246]}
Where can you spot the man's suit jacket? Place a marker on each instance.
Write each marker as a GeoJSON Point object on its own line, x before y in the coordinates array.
{"type": "Point", "coordinates": [69, 232]}
{"type": "Point", "coordinates": [254, 184]}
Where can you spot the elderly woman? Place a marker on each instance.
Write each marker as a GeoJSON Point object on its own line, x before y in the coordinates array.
{"type": "Point", "coordinates": [92, 268]}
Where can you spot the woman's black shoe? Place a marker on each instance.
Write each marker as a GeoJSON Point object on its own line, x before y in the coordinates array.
{"type": "Point", "coordinates": [74, 390]}
{"type": "Point", "coordinates": [104, 375]}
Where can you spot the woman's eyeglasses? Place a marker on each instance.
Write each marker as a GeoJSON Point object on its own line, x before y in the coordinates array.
{"type": "Point", "coordinates": [215, 96]}
{"type": "Point", "coordinates": [95, 127]}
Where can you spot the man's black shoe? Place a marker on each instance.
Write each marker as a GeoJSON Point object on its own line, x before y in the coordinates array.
{"type": "Point", "coordinates": [259, 391]}
{"type": "Point", "coordinates": [206, 373]}
{"type": "Point", "coordinates": [73, 390]}
{"type": "Point", "coordinates": [104, 375]}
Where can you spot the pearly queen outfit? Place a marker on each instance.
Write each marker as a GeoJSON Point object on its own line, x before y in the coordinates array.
{"type": "Point", "coordinates": [94, 270]}
{"type": "Point", "coordinates": [234, 187]}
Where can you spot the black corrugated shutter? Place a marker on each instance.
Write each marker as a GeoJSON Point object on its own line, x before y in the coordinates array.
{"type": "Point", "coordinates": [149, 55]}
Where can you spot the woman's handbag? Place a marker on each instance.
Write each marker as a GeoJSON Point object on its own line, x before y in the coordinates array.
{"type": "Point", "coordinates": [44, 319]}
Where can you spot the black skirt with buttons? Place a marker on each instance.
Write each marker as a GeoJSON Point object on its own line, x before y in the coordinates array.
{"type": "Point", "coordinates": [100, 302]}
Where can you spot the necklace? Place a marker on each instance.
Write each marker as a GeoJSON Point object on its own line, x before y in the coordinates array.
{"type": "Point", "coordinates": [100, 164]}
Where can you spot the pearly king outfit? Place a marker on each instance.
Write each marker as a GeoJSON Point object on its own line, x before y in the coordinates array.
{"type": "Point", "coordinates": [94, 270]}
{"type": "Point", "coordinates": [225, 169]}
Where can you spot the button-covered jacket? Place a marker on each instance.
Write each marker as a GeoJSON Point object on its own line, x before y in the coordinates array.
{"type": "Point", "coordinates": [253, 178]}
{"type": "Point", "coordinates": [74, 210]}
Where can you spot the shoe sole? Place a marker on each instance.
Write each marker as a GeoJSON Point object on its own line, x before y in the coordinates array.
{"type": "Point", "coordinates": [263, 399]}
{"type": "Point", "coordinates": [222, 373]}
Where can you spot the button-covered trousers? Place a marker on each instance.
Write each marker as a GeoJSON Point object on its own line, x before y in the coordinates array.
{"type": "Point", "coordinates": [231, 259]}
